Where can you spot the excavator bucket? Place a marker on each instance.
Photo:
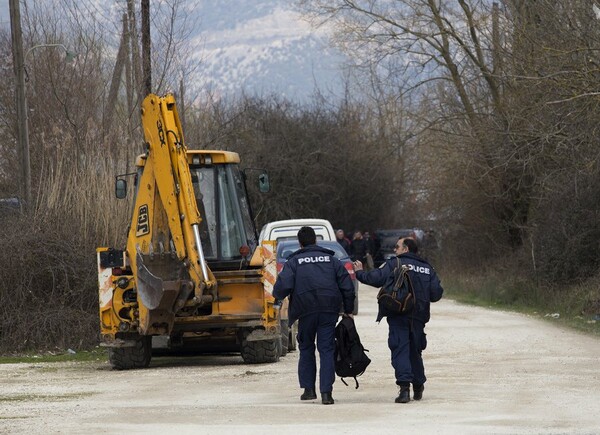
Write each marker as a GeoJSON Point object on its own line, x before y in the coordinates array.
{"type": "Point", "coordinates": [149, 286]}
{"type": "Point", "coordinates": [159, 288]}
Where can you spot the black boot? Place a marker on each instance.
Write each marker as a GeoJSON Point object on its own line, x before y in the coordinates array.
{"type": "Point", "coordinates": [327, 399]}
{"type": "Point", "coordinates": [309, 394]}
{"type": "Point", "coordinates": [404, 396]}
{"type": "Point", "coordinates": [418, 391]}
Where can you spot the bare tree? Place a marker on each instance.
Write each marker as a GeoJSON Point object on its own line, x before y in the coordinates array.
{"type": "Point", "coordinates": [503, 96]}
{"type": "Point", "coordinates": [73, 168]}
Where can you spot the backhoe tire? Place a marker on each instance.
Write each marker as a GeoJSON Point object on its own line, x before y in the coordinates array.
{"type": "Point", "coordinates": [285, 337]}
{"type": "Point", "coordinates": [136, 357]}
{"type": "Point", "coordinates": [262, 351]}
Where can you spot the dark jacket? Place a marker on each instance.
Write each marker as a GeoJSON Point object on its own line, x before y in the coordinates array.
{"type": "Point", "coordinates": [315, 281]}
{"type": "Point", "coordinates": [359, 249]}
{"type": "Point", "coordinates": [425, 281]}
{"type": "Point", "coordinates": [345, 243]}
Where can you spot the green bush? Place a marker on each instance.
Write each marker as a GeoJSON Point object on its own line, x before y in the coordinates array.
{"type": "Point", "coordinates": [577, 305]}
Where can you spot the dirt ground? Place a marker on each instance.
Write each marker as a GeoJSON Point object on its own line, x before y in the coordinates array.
{"type": "Point", "coordinates": [489, 372]}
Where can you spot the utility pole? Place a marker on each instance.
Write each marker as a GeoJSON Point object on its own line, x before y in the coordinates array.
{"type": "Point", "coordinates": [19, 68]}
{"type": "Point", "coordinates": [135, 52]}
{"type": "Point", "coordinates": [146, 60]}
{"type": "Point", "coordinates": [116, 78]}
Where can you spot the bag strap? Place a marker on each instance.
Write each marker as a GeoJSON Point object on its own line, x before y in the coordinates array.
{"type": "Point", "coordinates": [412, 290]}
{"type": "Point", "coordinates": [397, 274]}
{"type": "Point", "coordinates": [355, 380]}
{"type": "Point", "coordinates": [408, 279]}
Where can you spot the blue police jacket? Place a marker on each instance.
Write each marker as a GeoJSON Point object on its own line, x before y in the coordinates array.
{"type": "Point", "coordinates": [426, 283]}
{"type": "Point", "coordinates": [315, 281]}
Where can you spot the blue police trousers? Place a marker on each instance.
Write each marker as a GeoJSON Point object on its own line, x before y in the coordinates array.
{"type": "Point", "coordinates": [406, 341]}
{"type": "Point", "coordinates": [322, 326]}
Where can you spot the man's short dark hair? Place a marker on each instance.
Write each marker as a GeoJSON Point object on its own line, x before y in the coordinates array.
{"type": "Point", "coordinates": [411, 244]}
{"type": "Point", "coordinates": [307, 236]}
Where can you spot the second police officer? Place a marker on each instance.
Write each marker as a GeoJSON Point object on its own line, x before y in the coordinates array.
{"type": "Point", "coordinates": [407, 338]}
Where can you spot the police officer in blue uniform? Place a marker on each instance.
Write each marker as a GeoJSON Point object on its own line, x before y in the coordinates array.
{"type": "Point", "coordinates": [407, 338]}
{"type": "Point", "coordinates": [317, 284]}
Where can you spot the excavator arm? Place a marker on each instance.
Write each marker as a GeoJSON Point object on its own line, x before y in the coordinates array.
{"type": "Point", "coordinates": [164, 246]}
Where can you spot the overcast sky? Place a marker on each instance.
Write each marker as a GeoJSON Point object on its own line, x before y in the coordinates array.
{"type": "Point", "coordinates": [4, 16]}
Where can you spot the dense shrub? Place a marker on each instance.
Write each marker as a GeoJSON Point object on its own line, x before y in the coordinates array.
{"type": "Point", "coordinates": [48, 296]}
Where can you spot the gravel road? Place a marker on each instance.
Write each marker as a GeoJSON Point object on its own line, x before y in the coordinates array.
{"type": "Point", "coordinates": [489, 372]}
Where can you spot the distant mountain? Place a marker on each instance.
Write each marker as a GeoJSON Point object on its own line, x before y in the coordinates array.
{"type": "Point", "coordinates": [255, 46]}
{"type": "Point", "coordinates": [263, 47]}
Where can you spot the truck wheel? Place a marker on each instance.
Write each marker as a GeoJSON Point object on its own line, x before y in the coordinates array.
{"type": "Point", "coordinates": [285, 337]}
{"type": "Point", "coordinates": [136, 357]}
{"type": "Point", "coordinates": [292, 342]}
{"type": "Point", "coordinates": [262, 351]}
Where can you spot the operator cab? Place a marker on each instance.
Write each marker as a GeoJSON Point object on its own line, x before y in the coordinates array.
{"type": "Point", "coordinates": [227, 230]}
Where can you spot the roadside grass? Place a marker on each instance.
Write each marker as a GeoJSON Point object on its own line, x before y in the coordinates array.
{"type": "Point", "coordinates": [97, 354]}
{"type": "Point", "coordinates": [576, 306]}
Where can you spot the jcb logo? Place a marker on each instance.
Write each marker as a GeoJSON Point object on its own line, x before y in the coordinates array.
{"type": "Point", "coordinates": [143, 223]}
{"type": "Point", "coordinates": [161, 132]}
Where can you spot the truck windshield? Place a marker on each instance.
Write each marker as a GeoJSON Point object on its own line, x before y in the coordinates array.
{"type": "Point", "coordinates": [226, 223]}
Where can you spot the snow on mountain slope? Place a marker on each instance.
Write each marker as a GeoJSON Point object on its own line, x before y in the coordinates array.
{"type": "Point", "coordinates": [263, 47]}
{"type": "Point", "coordinates": [259, 47]}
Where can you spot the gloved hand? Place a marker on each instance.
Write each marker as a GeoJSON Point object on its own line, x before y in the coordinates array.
{"type": "Point", "coordinates": [277, 304]}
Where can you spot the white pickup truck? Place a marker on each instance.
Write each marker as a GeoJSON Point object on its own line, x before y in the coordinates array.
{"type": "Point", "coordinates": [288, 229]}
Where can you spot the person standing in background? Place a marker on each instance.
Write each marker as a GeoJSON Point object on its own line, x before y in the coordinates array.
{"type": "Point", "coordinates": [358, 249]}
{"type": "Point", "coordinates": [343, 240]}
{"type": "Point", "coordinates": [369, 265]}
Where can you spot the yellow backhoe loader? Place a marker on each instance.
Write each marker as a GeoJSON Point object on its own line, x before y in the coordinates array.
{"type": "Point", "coordinates": [192, 275]}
